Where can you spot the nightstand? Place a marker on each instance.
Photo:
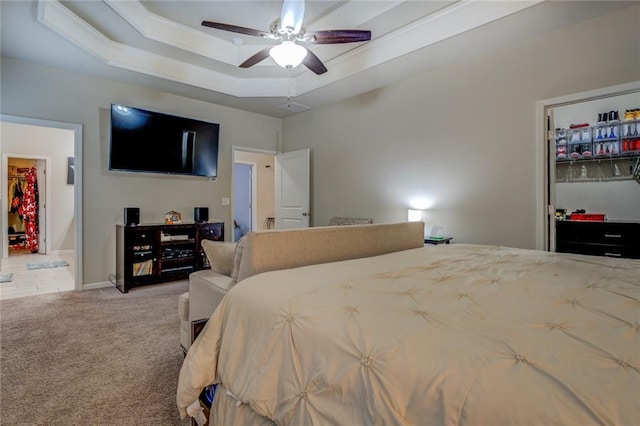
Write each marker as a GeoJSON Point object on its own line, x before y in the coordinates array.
{"type": "Point", "coordinates": [437, 240]}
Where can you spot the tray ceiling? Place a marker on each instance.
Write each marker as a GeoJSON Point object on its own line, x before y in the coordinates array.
{"type": "Point", "coordinates": [162, 45]}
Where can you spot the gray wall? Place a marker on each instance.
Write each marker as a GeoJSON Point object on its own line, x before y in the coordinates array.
{"type": "Point", "coordinates": [45, 93]}
{"type": "Point", "coordinates": [461, 135]}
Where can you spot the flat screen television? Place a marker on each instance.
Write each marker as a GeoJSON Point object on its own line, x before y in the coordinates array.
{"type": "Point", "coordinates": [153, 142]}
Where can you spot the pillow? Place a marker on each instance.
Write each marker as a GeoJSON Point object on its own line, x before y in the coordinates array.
{"type": "Point", "coordinates": [237, 258]}
{"type": "Point", "coordinates": [220, 255]}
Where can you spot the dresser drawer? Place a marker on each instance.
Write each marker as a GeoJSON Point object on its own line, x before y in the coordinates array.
{"type": "Point", "coordinates": [608, 250]}
{"type": "Point", "coordinates": [612, 239]}
{"type": "Point", "coordinates": [599, 232]}
{"type": "Point", "coordinates": [617, 233]}
{"type": "Point", "coordinates": [140, 236]}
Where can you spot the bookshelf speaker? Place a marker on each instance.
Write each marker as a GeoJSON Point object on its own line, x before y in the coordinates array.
{"type": "Point", "coordinates": [131, 216]}
{"type": "Point", "coordinates": [201, 214]}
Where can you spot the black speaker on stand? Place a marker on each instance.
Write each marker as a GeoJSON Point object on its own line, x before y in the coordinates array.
{"type": "Point", "coordinates": [200, 214]}
{"type": "Point", "coordinates": [131, 216]}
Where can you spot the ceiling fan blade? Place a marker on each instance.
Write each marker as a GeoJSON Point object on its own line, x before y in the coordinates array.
{"type": "Point", "coordinates": [314, 63]}
{"type": "Point", "coordinates": [258, 57]}
{"type": "Point", "coordinates": [236, 29]}
{"type": "Point", "coordinates": [292, 15]}
{"type": "Point", "coordinates": [336, 36]}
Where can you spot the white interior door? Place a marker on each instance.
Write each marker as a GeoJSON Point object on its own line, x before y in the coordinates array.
{"type": "Point", "coordinates": [292, 189]}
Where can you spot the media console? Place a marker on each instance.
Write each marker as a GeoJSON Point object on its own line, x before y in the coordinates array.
{"type": "Point", "coordinates": [155, 253]}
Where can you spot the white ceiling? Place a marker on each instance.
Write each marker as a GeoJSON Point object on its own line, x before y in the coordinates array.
{"type": "Point", "coordinates": [162, 44]}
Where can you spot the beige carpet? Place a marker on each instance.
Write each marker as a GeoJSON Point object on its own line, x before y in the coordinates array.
{"type": "Point", "coordinates": [95, 357]}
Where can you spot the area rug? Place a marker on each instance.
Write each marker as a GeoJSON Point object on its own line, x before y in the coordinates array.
{"type": "Point", "coordinates": [47, 264]}
{"type": "Point", "coordinates": [6, 277]}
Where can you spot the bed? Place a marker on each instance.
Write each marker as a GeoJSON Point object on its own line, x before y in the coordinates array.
{"type": "Point", "coordinates": [451, 334]}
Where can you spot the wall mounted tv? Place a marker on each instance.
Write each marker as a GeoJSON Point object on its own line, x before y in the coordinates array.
{"type": "Point", "coordinates": [152, 142]}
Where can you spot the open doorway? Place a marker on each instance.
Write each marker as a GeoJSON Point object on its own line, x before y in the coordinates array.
{"type": "Point", "coordinates": [42, 141]}
{"type": "Point", "coordinates": [253, 182]}
{"type": "Point", "coordinates": [593, 181]}
{"type": "Point", "coordinates": [243, 199]}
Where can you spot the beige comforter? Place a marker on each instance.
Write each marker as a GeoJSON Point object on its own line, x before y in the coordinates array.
{"type": "Point", "coordinates": [456, 334]}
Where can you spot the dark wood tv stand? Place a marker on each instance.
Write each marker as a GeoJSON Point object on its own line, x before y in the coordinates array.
{"type": "Point", "coordinates": [155, 253]}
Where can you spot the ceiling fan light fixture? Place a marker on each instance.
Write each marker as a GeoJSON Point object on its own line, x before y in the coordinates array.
{"type": "Point", "coordinates": [288, 29]}
{"type": "Point", "coordinates": [288, 54]}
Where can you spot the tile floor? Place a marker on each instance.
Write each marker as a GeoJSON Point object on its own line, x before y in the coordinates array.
{"type": "Point", "coordinates": [37, 281]}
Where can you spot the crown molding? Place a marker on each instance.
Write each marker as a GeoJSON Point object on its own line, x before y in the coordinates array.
{"type": "Point", "coordinates": [450, 21]}
{"type": "Point", "coordinates": [155, 27]}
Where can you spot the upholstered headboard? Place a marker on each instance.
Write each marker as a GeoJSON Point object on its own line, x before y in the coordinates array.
{"type": "Point", "coordinates": [283, 249]}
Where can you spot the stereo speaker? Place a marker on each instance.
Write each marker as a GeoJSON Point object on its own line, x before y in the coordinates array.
{"type": "Point", "coordinates": [131, 216]}
{"type": "Point", "coordinates": [201, 214]}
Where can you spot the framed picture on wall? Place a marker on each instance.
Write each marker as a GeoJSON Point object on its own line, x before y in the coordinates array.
{"type": "Point", "coordinates": [70, 170]}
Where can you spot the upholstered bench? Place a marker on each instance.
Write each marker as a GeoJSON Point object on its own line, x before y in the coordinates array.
{"type": "Point", "coordinates": [208, 287]}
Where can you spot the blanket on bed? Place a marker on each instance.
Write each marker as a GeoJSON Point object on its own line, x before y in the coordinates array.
{"type": "Point", "coordinates": [457, 334]}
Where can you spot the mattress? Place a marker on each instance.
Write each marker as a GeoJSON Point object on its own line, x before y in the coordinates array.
{"type": "Point", "coordinates": [452, 334]}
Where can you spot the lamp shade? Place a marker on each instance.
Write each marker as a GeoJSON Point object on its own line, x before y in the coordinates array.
{"type": "Point", "coordinates": [288, 54]}
{"type": "Point", "coordinates": [414, 215]}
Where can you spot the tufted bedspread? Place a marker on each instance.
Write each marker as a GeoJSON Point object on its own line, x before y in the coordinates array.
{"type": "Point", "coordinates": [449, 335]}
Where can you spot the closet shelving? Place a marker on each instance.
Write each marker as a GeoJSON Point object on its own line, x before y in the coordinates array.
{"type": "Point", "coordinates": [605, 152]}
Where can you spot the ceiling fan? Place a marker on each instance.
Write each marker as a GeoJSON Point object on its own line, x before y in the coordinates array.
{"type": "Point", "coordinates": [288, 30]}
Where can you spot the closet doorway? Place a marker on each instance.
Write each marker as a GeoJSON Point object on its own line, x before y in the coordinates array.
{"type": "Point", "coordinates": [27, 198]}
{"type": "Point", "coordinates": [548, 191]}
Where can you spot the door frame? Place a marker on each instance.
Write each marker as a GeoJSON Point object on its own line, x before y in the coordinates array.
{"type": "Point", "coordinates": [545, 162]}
{"type": "Point", "coordinates": [77, 197]}
{"type": "Point", "coordinates": [47, 201]}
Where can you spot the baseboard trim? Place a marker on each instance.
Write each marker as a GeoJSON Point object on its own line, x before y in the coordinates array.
{"type": "Point", "coordinates": [61, 252]}
{"type": "Point", "coordinates": [93, 286]}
